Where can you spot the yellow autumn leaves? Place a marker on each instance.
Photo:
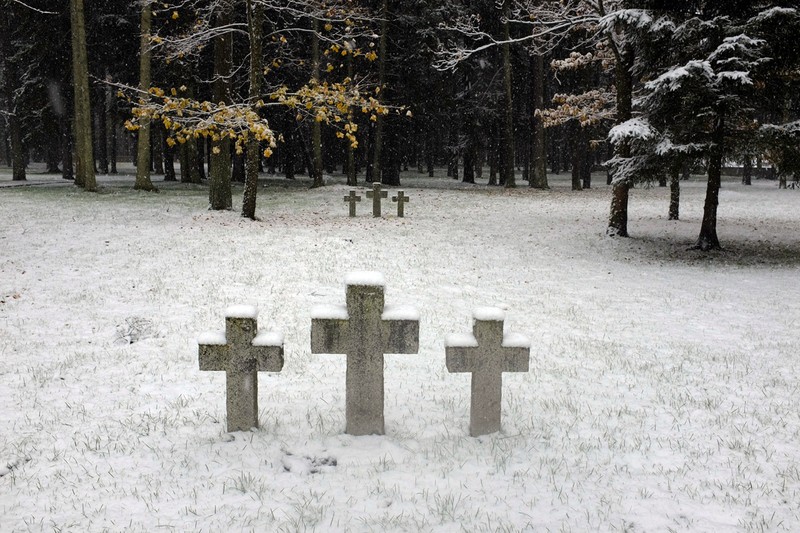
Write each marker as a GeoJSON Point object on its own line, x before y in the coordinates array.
{"type": "Point", "coordinates": [184, 118]}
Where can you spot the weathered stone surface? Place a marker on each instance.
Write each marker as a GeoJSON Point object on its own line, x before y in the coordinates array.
{"type": "Point", "coordinates": [364, 331]}
{"type": "Point", "coordinates": [352, 198]}
{"type": "Point", "coordinates": [401, 199]}
{"type": "Point", "coordinates": [376, 194]}
{"type": "Point", "coordinates": [487, 353]}
{"type": "Point", "coordinates": [241, 354]}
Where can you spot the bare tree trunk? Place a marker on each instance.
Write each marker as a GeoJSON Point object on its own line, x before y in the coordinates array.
{"type": "Point", "coordinates": [111, 126]}
{"type": "Point", "coordinates": [84, 156]}
{"type": "Point", "coordinates": [378, 138]}
{"type": "Point", "coordinates": [11, 84]}
{"type": "Point", "coordinates": [350, 164]}
{"type": "Point", "coordinates": [747, 171]}
{"type": "Point", "coordinates": [618, 217]}
{"type": "Point", "coordinates": [66, 148]}
{"type": "Point", "coordinates": [169, 156]}
{"type": "Point", "coordinates": [144, 146]}
{"type": "Point", "coordinates": [102, 131]}
{"type": "Point", "coordinates": [470, 149]}
{"type": "Point", "coordinates": [316, 126]}
{"type": "Point", "coordinates": [156, 147]}
{"type": "Point", "coordinates": [708, 240]}
{"type": "Point", "coordinates": [254, 21]}
{"type": "Point", "coordinates": [219, 172]}
{"type": "Point", "coordinates": [539, 156]}
{"type": "Point", "coordinates": [578, 157]}
{"type": "Point", "coordinates": [507, 166]}
{"type": "Point", "coordinates": [674, 192]}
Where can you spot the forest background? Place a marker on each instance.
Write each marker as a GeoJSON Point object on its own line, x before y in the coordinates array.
{"type": "Point", "coordinates": [649, 91]}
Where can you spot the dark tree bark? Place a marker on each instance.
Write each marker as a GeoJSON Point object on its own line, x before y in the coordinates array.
{"type": "Point", "coordinates": [382, 46]}
{"type": "Point", "coordinates": [507, 165]}
{"type": "Point", "coordinates": [391, 153]}
{"type": "Point", "coordinates": [618, 217]}
{"type": "Point", "coordinates": [156, 147]}
{"type": "Point", "coordinates": [708, 240]}
{"type": "Point", "coordinates": [255, 19]}
{"type": "Point", "coordinates": [289, 152]}
{"type": "Point", "coordinates": [219, 172]}
{"type": "Point", "coordinates": [452, 160]}
{"type": "Point", "coordinates": [747, 171]}
{"type": "Point", "coordinates": [144, 145]}
{"type": "Point", "coordinates": [350, 155]}
{"type": "Point", "coordinates": [578, 157]}
{"type": "Point", "coordinates": [430, 144]}
{"type": "Point", "coordinates": [315, 168]}
{"type": "Point", "coordinates": [237, 172]}
{"type": "Point", "coordinates": [169, 156]}
{"type": "Point", "coordinates": [84, 158]}
{"type": "Point", "coordinates": [493, 155]}
{"type": "Point", "coordinates": [674, 192]}
{"type": "Point", "coordinates": [4, 149]}
{"type": "Point", "coordinates": [11, 84]}
{"type": "Point", "coordinates": [66, 148]}
{"type": "Point", "coordinates": [539, 149]}
{"type": "Point", "coordinates": [470, 152]}
{"type": "Point", "coordinates": [102, 131]}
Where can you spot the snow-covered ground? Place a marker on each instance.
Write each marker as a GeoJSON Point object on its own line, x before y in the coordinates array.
{"type": "Point", "coordinates": [664, 391]}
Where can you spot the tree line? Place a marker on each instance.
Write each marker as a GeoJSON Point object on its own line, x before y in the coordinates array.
{"type": "Point", "coordinates": [649, 89]}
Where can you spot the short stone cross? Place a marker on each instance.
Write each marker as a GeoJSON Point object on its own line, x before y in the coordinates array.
{"type": "Point", "coordinates": [376, 194]}
{"type": "Point", "coordinates": [486, 353]}
{"type": "Point", "coordinates": [352, 198]}
{"type": "Point", "coordinates": [365, 331]}
{"type": "Point", "coordinates": [241, 353]}
{"type": "Point", "coordinates": [401, 199]}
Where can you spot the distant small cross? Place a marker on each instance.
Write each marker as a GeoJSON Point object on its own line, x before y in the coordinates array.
{"type": "Point", "coordinates": [376, 194]}
{"type": "Point", "coordinates": [487, 353]}
{"type": "Point", "coordinates": [401, 199]}
{"type": "Point", "coordinates": [365, 332]}
{"type": "Point", "coordinates": [352, 198]}
{"type": "Point", "coordinates": [240, 353]}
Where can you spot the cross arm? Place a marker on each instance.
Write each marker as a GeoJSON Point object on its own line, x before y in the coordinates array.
{"type": "Point", "coordinates": [268, 351]}
{"type": "Point", "coordinates": [329, 329]}
{"type": "Point", "coordinates": [400, 327]}
{"type": "Point", "coordinates": [213, 352]}
{"type": "Point", "coordinates": [516, 353]}
{"type": "Point", "coordinates": [460, 352]}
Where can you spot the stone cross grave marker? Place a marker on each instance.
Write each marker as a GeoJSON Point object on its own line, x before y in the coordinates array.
{"type": "Point", "coordinates": [364, 330]}
{"type": "Point", "coordinates": [401, 199]}
{"type": "Point", "coordinates": [352, 198]}
{"type": "Point", "coordinates": [241, 354]}
{"type": "Point", "coordinates": [376, 194]}
{"type": "Point", "coordinates": [486, 353]}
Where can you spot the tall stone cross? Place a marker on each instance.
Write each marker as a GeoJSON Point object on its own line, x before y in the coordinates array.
{"type": "Point", "coordinates": [376, 194]}
{"type": "Point", "coordinates": [365, 331]}
{"type": "Point", "coordinates": [352, 198]}
{"type": "Point", "coordinates": [401, 199]}
{"type": "Point", "coordinates": [486, 353]}
{"type": "Point", "coordinates": [241, 354]}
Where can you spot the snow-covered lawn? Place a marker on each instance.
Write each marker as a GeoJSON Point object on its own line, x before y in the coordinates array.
{"type": "Point", "coordinates": [664, 391]}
